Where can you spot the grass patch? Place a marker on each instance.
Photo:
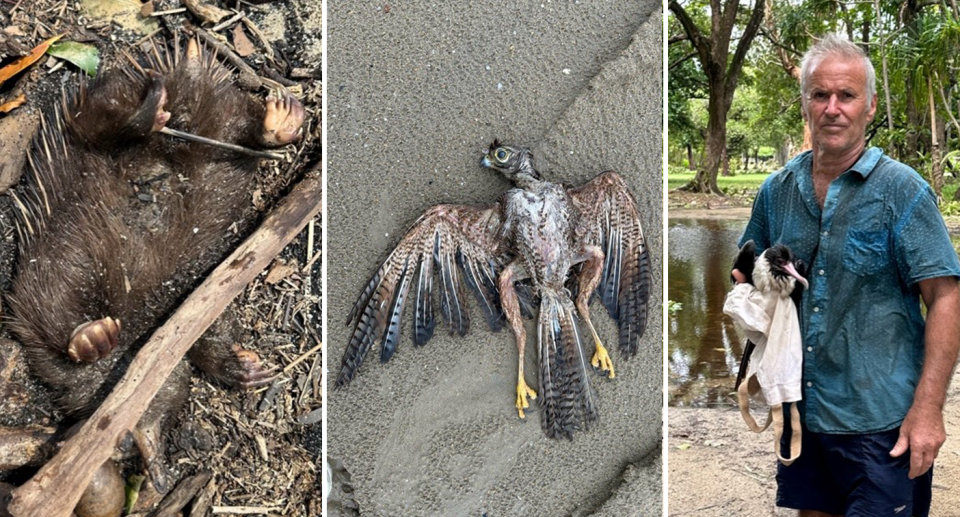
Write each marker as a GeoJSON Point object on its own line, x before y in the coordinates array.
{"type": "Point", "coordinates": [738, 182]}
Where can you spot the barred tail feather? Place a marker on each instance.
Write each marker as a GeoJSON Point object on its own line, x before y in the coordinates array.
{"type": "Point", "coordinates": [566, 398]}
{"type": "Point", "coordinates": [371, 324]}
{"type": "Point", "coordinates": [392, 335]}
{"type": "Point", "coordinates": [634, 292]}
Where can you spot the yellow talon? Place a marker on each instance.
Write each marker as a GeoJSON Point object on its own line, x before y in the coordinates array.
{"type": "Point", "coordinates": [524, 391]}
{"type": "Point", "coordinates": [601, 359]}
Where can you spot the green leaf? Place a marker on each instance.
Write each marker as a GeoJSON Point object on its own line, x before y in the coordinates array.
{"type": "Point", "coordinates": [683, 446]}
{"type": "Point", "coordinates": [87, 57]}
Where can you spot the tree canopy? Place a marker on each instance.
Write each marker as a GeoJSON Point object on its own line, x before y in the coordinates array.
{"type": "Point", "coordinates": [913, 44]}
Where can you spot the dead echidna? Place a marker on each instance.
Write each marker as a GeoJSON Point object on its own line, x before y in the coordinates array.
{"type": "Point", "coordinates": [117, 222]}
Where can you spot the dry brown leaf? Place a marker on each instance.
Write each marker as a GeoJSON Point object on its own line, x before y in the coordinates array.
{"type": "Point", "coordinates": [241, 42]}
{"type": "Point", "coordinates": [278, 272]}
{"type": "Point", "coordinates": [17, 66]}
{"type": "Point", "coordinates": [6, 107]}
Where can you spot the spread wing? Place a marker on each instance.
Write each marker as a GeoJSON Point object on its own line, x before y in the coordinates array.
{"type": "Point", "coordinates": [611, 221]}
{"type": "Point", "coordinates": [454, 240]}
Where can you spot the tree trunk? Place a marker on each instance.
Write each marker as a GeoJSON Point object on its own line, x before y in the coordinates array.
{"type": "Point", "coordinates": [690, 164]}
{"type": "Point", "coordinates": [722, 72]}
{"type": "Point", "coordinates": [936, 136]}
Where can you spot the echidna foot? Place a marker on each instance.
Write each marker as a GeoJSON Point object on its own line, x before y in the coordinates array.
{"type": "Point", "coordinates": [93, 340]}
{"type": "Point", "coordinates": [283, 121]}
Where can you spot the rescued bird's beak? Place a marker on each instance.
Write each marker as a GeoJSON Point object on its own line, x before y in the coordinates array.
{"type": "Point", "coordinates": [485, 162]}
{"type": "Point", "coordinates": [789, 268]}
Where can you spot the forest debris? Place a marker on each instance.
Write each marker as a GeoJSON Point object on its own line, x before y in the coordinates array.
{"type": "Point", "coordinates": [169, 11]}
{"type": "Point", "coordinates": [260, 36]}
{"type": "Point", "coordinates": [279, 271]}
{"type": "Point", "coordinates": [248, 78]}
{"type": "Point", "coordinates": [86, 57]}
{"type": "Point", "coordinates": [230, 21]}
{"type": "Point", "coordinates": [303, 357]}
{"type": "Point", "coordinates": [311, 418]}
{"type": "Point", "coordinates": [204, 500]}
{"type": "Point", "coordinates": [19, 65]}
{"type": "Point", "coordinates": [206, 12]}
{"type": "Point", "coordinates": [30, 445]}
{"type": "Point", "coordinates": [182, 494]}
{"type": "Point", "coordinates": [243, 510]}
{"type": "Point", "coordinates": [241, 42]}
{"type": "Point", "coordinates": [16, 130]}
{"type": "Point", "coordinates": [9, 106]}
{"type": "Point", "coordinates": [125, 13]}
{"type": "Point", "coordinates": [262, 447]}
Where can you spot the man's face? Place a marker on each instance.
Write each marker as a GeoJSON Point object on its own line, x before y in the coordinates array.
{"type": "Point", "coordinates": [837, 107]}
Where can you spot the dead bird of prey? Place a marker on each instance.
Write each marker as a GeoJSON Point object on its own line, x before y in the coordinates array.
{"type": "Point", "coordinates": [534, 242]}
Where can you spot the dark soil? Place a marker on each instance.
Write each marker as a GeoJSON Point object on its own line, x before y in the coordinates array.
{"type": "Point", "coordinates": [262, 446]}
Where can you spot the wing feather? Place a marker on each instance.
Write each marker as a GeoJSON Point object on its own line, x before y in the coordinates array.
{"type": "Point", "coordinates": [448, 239]}
{"type": "Point", "coordinates": [611, 221]}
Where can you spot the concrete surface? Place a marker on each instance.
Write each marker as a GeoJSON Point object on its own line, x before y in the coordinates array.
{"type": "Point", "coordinates": [416, 91]}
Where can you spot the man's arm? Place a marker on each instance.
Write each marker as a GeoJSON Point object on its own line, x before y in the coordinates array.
{"type": "Point", "coordinates": [922, 430]}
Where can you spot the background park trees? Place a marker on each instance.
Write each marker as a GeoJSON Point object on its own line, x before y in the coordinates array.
{"type": "Point", "coordinates": [734, 94]}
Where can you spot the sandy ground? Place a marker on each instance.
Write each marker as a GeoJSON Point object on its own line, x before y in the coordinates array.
{"type": "Point", "coordinates": [416, 92]}
{"type": "Point", "coordinates": [718, 467]}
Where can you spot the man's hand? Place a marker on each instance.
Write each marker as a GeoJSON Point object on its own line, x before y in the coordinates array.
{"type": "Point", "coordinates": [739, 277]}
{"type": "Point", "coordinates": [922, 430]}
{"type": "Point", "coordinates": [922, 433]}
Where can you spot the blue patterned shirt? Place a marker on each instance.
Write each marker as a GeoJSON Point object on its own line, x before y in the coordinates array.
{"type": "Point", "coordinates": [879, 233]}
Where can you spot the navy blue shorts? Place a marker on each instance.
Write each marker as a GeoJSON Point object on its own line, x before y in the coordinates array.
{"type": "Point", "coordinates": [853, 476]}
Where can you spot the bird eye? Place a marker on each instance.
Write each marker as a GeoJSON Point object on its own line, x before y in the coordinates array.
{"type": "Point", "coordinates": [502, 155]}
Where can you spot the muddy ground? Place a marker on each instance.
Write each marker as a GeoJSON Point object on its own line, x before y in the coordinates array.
{"type": "Point", "coordinates": [262, 446]}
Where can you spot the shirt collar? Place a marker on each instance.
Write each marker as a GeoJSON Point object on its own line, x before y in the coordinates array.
{"type": "Point", "coordinates": [867, 162]}
{"type": "Point", "coordinates": [803, 162]}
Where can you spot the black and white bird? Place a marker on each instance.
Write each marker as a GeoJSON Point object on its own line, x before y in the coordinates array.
{"type": "Point", "coordinates": [776, 269]}
{"type": "Point", "coordinates": [537, 240]}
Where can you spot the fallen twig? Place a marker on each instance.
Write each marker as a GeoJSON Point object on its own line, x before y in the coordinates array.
{"type": "Point", "coordinates": [243, 510]}
{"type": "Point", "coordinates": [302, 358]}
{"type": "Point", "coordinates": [182, 494]}
{"type": "Point", "coordinates": [248, 77]}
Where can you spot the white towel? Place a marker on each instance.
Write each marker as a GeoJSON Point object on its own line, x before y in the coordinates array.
{"type": "Point", "coordinates": [770, 321]}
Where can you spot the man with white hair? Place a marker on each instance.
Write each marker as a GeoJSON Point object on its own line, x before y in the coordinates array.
{"type": "Point", "coordinates": [875, 374]}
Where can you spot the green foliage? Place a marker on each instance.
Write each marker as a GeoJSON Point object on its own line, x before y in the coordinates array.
{"type": "Point", "coordinates": [921, 44]}
{"type": "Point", "coordinates": [674, 307]}
{"type": "Point", "coordinates": [86, 57]}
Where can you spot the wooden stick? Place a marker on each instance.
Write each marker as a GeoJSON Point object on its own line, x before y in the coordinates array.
{"type": "Point", "coordinates": [56, 488]}
{"type": "Point", "coordinates": [182, 495]}
{"type": "Point", "coordinates": [244, 510]}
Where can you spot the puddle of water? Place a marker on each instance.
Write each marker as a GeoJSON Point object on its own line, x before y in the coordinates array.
{"type": "Point", "coordinates": [704, 348]}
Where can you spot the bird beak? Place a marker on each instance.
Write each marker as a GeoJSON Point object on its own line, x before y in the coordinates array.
{"type": "Point", "coordinates": [788, 267]}
{"type": "Point", "coordinates": [485, 162]}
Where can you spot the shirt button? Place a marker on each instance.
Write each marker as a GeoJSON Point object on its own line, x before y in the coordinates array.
{"type": "Point", "coordinates": [821, 272]}
{"type": "Point", "coordinates": [809, 349]}
{"type": "Point", "coordinates": [809, 384]}
{"type": "Point", "coordinates": [824, 233]}
{"type": "Point", "coordinates": [816, 309]}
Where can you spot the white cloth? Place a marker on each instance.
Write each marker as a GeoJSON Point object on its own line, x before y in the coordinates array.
{"type": "Point", "coordinates": [770, 321]}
